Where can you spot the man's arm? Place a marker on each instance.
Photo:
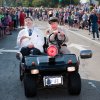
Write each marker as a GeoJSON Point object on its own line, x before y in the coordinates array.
{"type": "Point", "coordinates": [62, 34]}
{"type": "Point", "coordinates": [21, 36]}
{"type": "Point", "coordinates": [18, 39]}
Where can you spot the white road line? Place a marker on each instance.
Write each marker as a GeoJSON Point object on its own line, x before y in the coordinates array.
{"type": "Point", "coordinates": [94, 86]}
{"type": "Point", "coordinates": [77, 46]}
{"type": "Point", "coordinates": [3, 50]}
{"type": "Point", "coordinates": [85, 37]}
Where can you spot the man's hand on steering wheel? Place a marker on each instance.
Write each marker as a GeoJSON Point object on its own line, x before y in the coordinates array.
{"type": "Point", "coordinates": [56, 38]}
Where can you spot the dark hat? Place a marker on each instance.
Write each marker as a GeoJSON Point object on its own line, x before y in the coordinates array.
{"type": "Point", "coordinates": [53, 19]}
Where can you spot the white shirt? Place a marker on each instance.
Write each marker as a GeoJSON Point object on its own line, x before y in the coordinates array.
{"type": "Point", "coordinates": [37, 38]}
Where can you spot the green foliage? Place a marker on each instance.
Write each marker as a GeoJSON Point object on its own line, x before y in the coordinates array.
{"type": "Point", "coordinates": [38, 3]}
{"type": "Point", "coordinates": [98, 0]}
{"type": "Point", "coordinates": [76, 1]}
{"type": "Point", "coordinates": [60, 0]}
{"type": "Point", "coordinates": [48, 3]}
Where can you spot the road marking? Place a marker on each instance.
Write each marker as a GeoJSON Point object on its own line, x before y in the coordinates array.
{"type": "Point", "coordinates": [3, 50]}
{"type": "Point", "coordinates": [92, 84]}
{"type": "Point", "coordinates": [85, 37]}
{"type": "Point", "coordinates": [78, 46]}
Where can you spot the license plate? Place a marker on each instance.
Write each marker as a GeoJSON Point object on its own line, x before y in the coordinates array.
{"type": "Point", "coordinates": [52, 80]}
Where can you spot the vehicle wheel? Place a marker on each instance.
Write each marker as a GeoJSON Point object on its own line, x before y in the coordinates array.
{"type": "Point", "coordinates": [21, 72]}
{"type": "Point", "coordinates": [30, 86]}
{"type": "Point", "coordinates": [74, 84]}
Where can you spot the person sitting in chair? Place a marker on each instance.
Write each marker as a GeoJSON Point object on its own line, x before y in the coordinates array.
{"type": "Point", "coordinates": [56, 30]}
{"type": "Point", "coordinates": [30, 39]}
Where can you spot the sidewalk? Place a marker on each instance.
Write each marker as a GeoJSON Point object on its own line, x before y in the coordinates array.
{"type": "Point", "coordinates": [82, 32]}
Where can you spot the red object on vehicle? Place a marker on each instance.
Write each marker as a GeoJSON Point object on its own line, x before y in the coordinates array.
{"type": "Point", "coordinates": [69, 61]}
{"type": "Point", "coordinates": [52, 51]}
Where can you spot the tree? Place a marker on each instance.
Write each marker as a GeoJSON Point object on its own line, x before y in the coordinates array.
{"type": "Point", "coordinates": [38, 3]}
{"type": "Point", "coordinates": [98, 1]}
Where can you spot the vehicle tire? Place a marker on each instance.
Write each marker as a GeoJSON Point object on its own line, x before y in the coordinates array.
{"type": "Point", "coordinates": [21, 73]}
{"type": "Point", "coordinates": [74, 84]}
{"type": "Point", "coordinates": [30, 86]}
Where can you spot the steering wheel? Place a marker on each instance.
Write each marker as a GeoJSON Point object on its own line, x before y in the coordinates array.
{"type": "Point", "coordinates": [56, 40]}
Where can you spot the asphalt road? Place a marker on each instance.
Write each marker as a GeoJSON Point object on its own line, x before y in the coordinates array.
{"type": "Point", "coordinates": [12, 89]}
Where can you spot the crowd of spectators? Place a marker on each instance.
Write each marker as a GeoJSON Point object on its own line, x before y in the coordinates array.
{"type": "Point", "coordinates": [75, 16]}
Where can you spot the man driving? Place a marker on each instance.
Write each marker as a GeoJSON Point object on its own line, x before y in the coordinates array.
{"type": "Point", "coordinates": [56, 30]}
